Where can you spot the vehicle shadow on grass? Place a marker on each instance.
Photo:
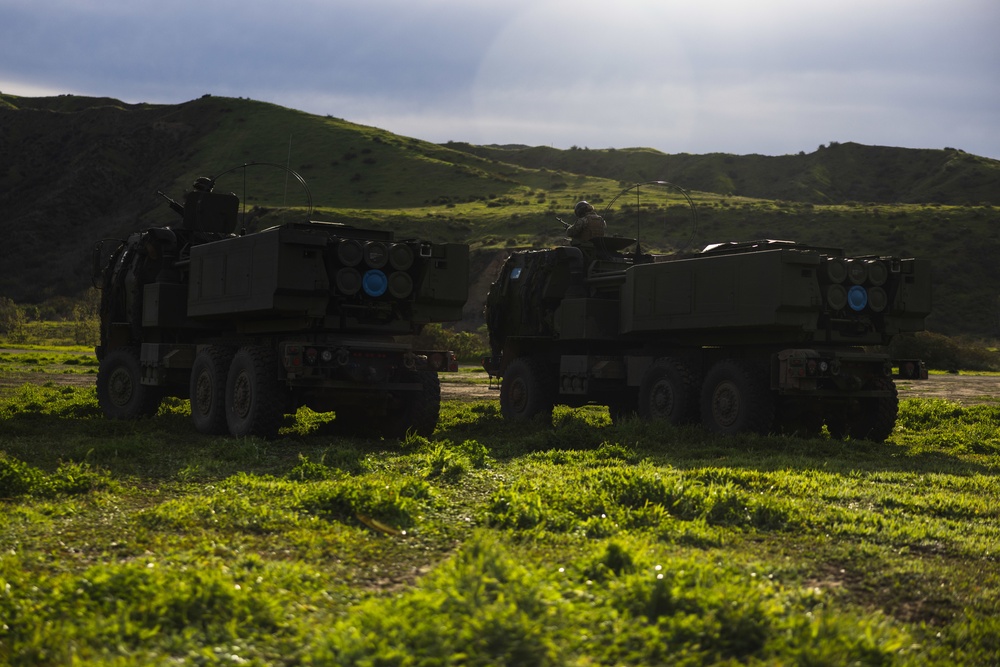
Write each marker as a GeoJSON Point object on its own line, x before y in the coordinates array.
{"type": "Point", "coordinates": [166, 447]}
{"type": "Point", "coordinates": [692, 446]}
{"type": "Point", "coordinates": [47, 428]}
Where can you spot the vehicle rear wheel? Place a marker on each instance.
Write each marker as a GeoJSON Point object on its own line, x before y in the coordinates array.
{"type": "Point", "coordinates": [867, 418]}
{"type": "Point", "coordinates": [208, 389]}
{"type": "Point", "coordinates": [415, 411]}
{"type": "Point", "coordinates": [120, 391]}
{"type": "Point", "coordinates": [623, 406]}
{"type": "Point", "coordinates": [736, 398]}
{"type": "Point", "coordinates": [526, 391]}
{"type": "Point", "coordinates": [667, 392]}
{"type": "Point", "coordinates": [255, 402]}
{"type": "Point", "coordinates": [352, 423]}
{"type": "Point", "coordinates": [802, 418]}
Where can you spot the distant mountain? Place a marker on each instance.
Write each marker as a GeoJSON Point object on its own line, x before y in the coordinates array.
{"type": "Point", "coordinates": [74, 170]}
{"type": "Point", "coordinates": [838, 173]}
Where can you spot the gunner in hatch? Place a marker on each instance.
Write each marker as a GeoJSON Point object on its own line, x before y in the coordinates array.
{"type": "Point", "coordinates": [588, 223]}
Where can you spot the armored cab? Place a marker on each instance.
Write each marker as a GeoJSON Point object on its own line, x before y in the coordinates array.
{"type": "Point", "coordinates": [752, 336]}
{"type": "Point", "coordinates": [251, 326]}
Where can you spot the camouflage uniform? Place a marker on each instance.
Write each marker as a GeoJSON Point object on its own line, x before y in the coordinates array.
{"type": "Point", "coordinates": [587, 227]}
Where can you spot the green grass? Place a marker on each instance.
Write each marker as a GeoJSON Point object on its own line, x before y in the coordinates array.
{"type": "Point", "coordinates": [53, 335]}
{"type": "Point", "coordinates": [578, 543]}
{"type": "Point", "coordinates": [39, 366]}
{"type": "Point", "coordinates": [49, 360]}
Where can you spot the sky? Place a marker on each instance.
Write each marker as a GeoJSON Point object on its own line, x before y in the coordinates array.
{"type": "Point", "coordinates": [771, 77]}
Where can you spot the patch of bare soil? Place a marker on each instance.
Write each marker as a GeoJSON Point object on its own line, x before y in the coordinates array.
{"type": "Point", "coordinates": [963, 389]}
{"type": "Point", "coordinates": [474, 386]}
{"type": "Point", "coordinates": [466, 386]}
{"type": "Point", "coordinates": [60, 374]}
{"type": "Point", "coordinates": [13, 380]}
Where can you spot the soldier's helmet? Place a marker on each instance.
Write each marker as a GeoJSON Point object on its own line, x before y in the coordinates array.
{"type": "Point", "coordinates": [582, 209]}
{"type": "Point", "coordinates": [204, 184]}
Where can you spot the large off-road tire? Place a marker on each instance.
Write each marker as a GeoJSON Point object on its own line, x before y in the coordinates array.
{"type": "Point", "coordinates": [255, 395]}
{"type": "Point", "coordinates": [208, 389]}
{"type": "Point", "coordinates": [415, 411]}
{"type": "Point", "coordinates": [868, 418]}
{"type": "Point", "coordinates": [351, 423]}
{"type": "Point", "coordinates": [802, 418]}
{"type": "Point", "coordinates": [667, 392]}
{"type": "Point", "coordinates": [120, 391]}
{"type": "Point", "coordinates": [736, 397]}
{"type": "Point", "coordinates": [527, 391]}
{"type": "Point", "coordinates": [624, 405]}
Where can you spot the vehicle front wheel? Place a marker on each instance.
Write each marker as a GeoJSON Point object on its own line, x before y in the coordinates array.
{"type": "Point", "coordinates": [623, 406]}
{"type": "Point", "coordinates": [526, 392]}
{"type": "Point", "coordinates": [255, 402]}
{"type": "Point", "coordinates": [208, 390]}
{"type": "Point", "coordinates": [867, 418]}
{"type": "Point", "coordinates": [120, 391]}
{"type": "Point", "coordinates": [736, 397]}
{"type": "Point", "coordinates": [667, 392]}
{"type": "Point", "coordinates": [416, 410]}
{"type": "Point", "coordinates": [802, 418]}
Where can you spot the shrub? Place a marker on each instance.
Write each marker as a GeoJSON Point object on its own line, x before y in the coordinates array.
{"type": "Point", "coordinates": [12, 320]}
{"type": "Point", "coordinates": [467, 345]}
{"type": "Point", "coordinates": [483, 607]}
{"type": "Point", "coordinates": [18, 478]}
{"type": "Point", "coordinates": [445, 462]}
{"type": "Point", "coordinates": [940, 352]}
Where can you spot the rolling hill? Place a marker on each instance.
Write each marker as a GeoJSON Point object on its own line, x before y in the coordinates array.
{"type": "Point", "coordinates": [74, 170]}
{"type": "Point", "coordinates": [834, 174]}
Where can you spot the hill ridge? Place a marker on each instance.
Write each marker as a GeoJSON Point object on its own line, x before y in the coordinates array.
{"type": "Point", "coordinates": [78, 169]}
{"type": "Point", "coordinates": [854, 172]}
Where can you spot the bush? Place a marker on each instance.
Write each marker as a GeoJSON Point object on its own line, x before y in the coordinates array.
{"type": "Point", "coordinates": [18, 478]}
{"type": "Point", "coordinates": [467, 345]}
{"type": "Point", "coordinates": [940, 352]}
{"type": "Point", "coordinates": [12, 320]}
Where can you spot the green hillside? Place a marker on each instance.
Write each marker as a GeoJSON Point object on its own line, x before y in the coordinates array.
{"type": "Point", "coordinates": [836, 173]}
{"type": "Point", "coordinates": [74, 170]}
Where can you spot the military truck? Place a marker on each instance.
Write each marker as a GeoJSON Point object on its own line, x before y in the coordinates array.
{"type": "Point", "coordinates": [759, 336]}
{"type": "Point", "coordinates": [250, 326]}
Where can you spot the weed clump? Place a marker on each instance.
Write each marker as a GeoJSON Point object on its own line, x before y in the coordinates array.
{"type": "Point", "coordinates": [601, 499]}
{"type": "Point", "coordinates": [18, 478]}
{"type": "Point", "coordinates": [481, 607]}
{"type": "Point", "coordinates": [31, 402]}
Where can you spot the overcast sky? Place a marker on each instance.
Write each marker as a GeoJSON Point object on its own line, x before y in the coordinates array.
{"type": "Point", "coordinates": [734, 76]}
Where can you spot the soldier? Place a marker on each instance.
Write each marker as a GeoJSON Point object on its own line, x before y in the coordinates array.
{"type": "Point", "coordinates": [588, 223]}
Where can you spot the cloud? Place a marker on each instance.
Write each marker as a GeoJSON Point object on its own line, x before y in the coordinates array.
{"type": "Point", "coordinates": [772, 76]}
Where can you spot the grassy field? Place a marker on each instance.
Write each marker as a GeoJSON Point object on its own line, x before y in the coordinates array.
{"type": "Point", "coordinates": [572, 543]}
{"type": "Point", "coordinates": [575, 543]}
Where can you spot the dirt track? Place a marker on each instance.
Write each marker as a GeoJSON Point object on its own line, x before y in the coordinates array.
{"type": "Point", "coordinates": [454, 387]}
{"type": "Point", "coordinates": [473, 386]}
{"type": "Point", "coordinates": [964, 389]}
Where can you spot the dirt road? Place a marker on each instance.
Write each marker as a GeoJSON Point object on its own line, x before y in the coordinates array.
{"type": "Point", "coordinates": [964, 389]}
{"type": "Point", "coordinates": [473, 385]}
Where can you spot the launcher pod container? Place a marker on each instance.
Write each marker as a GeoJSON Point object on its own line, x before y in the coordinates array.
{"type": "Point", "coordinates": [252, 326]}
{"type": "Point", "coordinates": [762, 336]}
